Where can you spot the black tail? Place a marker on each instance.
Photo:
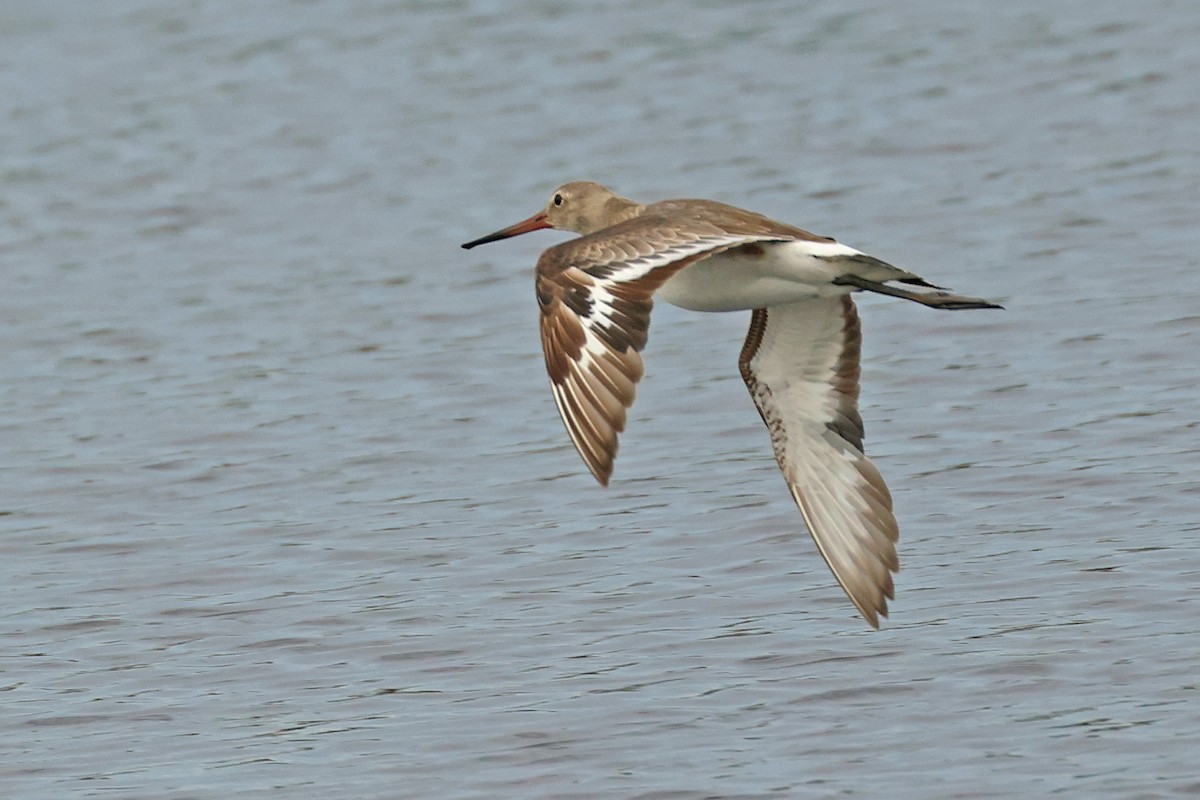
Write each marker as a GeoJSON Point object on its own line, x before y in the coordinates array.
{"type": "Point", "coordinates": [938, 299]}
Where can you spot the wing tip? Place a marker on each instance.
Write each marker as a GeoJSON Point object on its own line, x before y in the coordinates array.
{"type": "Point", "coordinates": [872, 615]}
{"type": "Point", "coordinates": [601, 474]}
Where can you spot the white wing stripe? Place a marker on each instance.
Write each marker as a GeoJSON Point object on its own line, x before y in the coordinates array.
{"type": "Point", "coordinates": [630, 269]}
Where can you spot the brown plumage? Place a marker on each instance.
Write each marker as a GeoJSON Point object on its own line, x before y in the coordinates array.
{"type": "Point", "coordinates": [800, 360]}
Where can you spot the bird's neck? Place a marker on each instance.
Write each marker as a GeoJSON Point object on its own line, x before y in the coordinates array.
{"type": "Point", "coordinates": [616, 209]}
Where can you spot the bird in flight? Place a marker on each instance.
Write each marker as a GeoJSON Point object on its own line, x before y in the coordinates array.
{"type": "Point", "coordinates": [800, 359]}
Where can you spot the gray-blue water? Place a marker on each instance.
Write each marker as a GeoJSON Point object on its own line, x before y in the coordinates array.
{"type": "Point", "coordinates": [285, 506]}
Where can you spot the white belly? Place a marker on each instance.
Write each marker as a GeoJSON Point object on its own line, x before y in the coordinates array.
{"type": "Point", "coordinates": [784, 273]}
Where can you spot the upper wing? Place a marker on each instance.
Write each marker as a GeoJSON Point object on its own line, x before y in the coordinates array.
{"type": "Point", "coordinates": [801, 364]}
{"type": "Point", "coordinates": [595, 297]}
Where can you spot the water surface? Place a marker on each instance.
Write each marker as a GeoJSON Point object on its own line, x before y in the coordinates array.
{"type": "Point", "coordinates": [286, 509]}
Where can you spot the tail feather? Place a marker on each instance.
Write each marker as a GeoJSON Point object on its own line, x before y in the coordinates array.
{"type": "Point", "coordinates": [916, 281]}
{"type": "Point", "coordinates": [935, 299]}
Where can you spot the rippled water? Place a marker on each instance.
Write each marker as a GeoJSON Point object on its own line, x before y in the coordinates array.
{"type": "Point", "coordinates": [286, 509]}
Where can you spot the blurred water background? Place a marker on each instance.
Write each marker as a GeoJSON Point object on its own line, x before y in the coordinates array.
{"type": "Point", "coordinates": [285, 506]}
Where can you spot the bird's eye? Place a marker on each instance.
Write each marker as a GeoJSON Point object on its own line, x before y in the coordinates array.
{"type": "Point", "coordinates": [558, 199]}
